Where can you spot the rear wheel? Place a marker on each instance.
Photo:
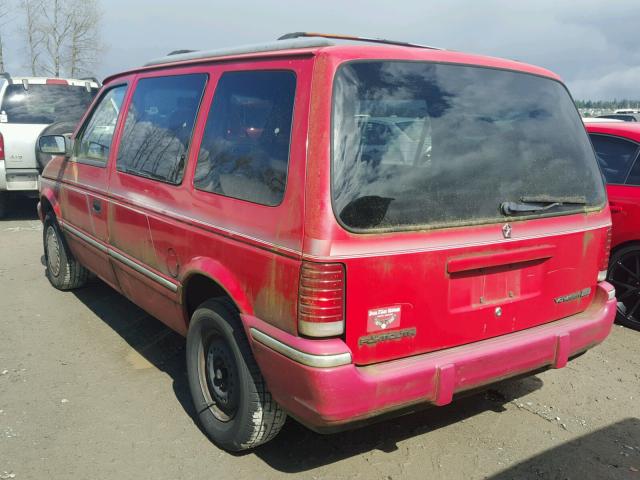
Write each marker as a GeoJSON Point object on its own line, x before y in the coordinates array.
{"type": "Point", "coordinates": [63, 271]}
{"type": "Point", "coordinates": [231, 399]}
{"type": "Point", "coordinates": [624, 275]}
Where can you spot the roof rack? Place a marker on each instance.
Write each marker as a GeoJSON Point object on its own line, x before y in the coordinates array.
{"type": "Point", "coordinates": [292, 44]}
{"type": "Point", "coordinates": [91, 79]}
{"type": "Point", "coordinates": [6, 76]}
{"type": "Point", "coordinates": [331, 36]}
{"type": "Point", "coordinates": [289, 41]}
{"type": "Point", "coordinates": [178, 52]}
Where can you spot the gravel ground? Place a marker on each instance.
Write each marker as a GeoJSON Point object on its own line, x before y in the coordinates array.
{"type": "Point", "coordinates": [92, 387]}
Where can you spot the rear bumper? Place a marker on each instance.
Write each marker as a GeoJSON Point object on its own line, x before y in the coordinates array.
{"type": "Point", "coordinates": [326, 397]}
{"type": "Point", "coordinates": [19, 179]}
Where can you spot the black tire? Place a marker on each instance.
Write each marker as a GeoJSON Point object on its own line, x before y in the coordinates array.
{"type": "Point", "coordinates": [230, 396]}
{"type": "Point", "coordinates": [63, 271]}
{"type": "Point", "coordinates": [4, 204]}
{"type": "Point", "coordinates": [624, 275]}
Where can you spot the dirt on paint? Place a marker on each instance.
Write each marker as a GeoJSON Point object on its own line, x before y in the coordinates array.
{"type": "Point", "coordinates": [92, 387]}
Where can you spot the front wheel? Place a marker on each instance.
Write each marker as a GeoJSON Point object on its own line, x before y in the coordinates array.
{"type": "Point", "coordinates": [624, 275]}
{"type": "Point", "coordinates": [63, 271]}
{"type": "Point", "coordinates": [230, 396]}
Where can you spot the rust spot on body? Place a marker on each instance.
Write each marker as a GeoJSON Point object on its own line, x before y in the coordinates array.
{"type": "Point", "coordinates": [274, 302]}
{"type": "Point", "coordinates": [587, 238]}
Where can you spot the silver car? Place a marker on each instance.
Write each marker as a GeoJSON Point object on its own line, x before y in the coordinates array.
{"type": "Point", "coordinates": [28, 105]}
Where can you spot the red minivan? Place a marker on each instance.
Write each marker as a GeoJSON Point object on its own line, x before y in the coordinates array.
{"type": "Point", "coordinates": [617, 147]}
{"type": "Point", "coordinates": [340, 230]}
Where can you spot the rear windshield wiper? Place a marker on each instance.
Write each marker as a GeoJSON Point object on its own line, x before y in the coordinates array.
{"type": "Point", "coordinates": [539, 203]}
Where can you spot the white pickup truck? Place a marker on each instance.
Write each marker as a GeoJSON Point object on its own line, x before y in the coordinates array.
{"type": "Point", "coordinates": [28, 105]}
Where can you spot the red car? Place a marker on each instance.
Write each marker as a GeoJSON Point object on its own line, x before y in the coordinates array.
{"type": "Point", "coordinates": [617, 146]}
{"type": "Point", "coordinates": [339, 230]}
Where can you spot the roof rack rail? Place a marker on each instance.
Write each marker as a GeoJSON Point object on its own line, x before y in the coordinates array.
{"type": "Point", "coordinates": [6, 76]}
{"type": "Point", "coordinates": [178, 52]}
{"type": "Point", "coordinates": [275, 46]}
{"type": "Point", "coordinates": [289, 36]}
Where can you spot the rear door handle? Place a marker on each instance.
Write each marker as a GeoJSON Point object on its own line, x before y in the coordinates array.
{"type": "Point", "coordinates": [496, 259]}
{"type": "Point", "coordinates": [97, 205]}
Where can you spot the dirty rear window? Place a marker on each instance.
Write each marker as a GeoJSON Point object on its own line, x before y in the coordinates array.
{"type": "Point", "coordinates": [424, 145]}
{"type": "Point", "coordinates": [45, 104]}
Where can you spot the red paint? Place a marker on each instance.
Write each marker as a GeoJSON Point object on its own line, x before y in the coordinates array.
{"type": "Point", "coordinates": [624, 200]}
{"type": "Point", "coordinates": [447, 283]}
{"type": "Point", "coordinates": [329, 397]}
{"type": "Point", "coordinates": [56, 81]}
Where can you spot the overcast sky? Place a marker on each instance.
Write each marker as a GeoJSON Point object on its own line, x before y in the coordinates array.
{"type": "Point", "coordinates": [592, 44]}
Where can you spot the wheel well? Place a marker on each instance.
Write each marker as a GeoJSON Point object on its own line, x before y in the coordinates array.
{"type": "Point", "coordinates": [624, 245]}
{"type": "Point", "coordinates": [46, 207]}
{"type": "Point", "coordinates": [200, 288]}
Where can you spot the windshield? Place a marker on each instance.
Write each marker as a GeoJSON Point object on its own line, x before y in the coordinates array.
{"type": "Point", "coordinates": [45, 104]}
{"type": "Point", "coordinates": [423, 145]}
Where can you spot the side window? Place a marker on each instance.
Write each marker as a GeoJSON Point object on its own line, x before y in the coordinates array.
{"type": "Point", "coordinates": [634, 175]}
{"type": "Point", "coordinates": [245, 147]}
{"type": "Point", "coordinates": [614, 155]}
{"type": "Point", "coordinates": [94, 141]}
{"type": "Point", "coordinates": [158, 128]}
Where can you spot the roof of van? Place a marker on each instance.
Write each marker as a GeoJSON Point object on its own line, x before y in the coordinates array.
{"type": "Point", "coordinates": [622, 129]}
{"type": "Point", "coordinates": [317, 45]}
{"type": "Point", "coordinates": [278, 45]}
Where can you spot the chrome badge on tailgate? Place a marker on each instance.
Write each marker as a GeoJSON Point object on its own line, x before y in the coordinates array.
{"type": "Point", "coordinates": [573, 296]}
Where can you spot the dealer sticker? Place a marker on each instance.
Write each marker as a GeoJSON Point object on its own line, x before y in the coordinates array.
{"type": "Point", "coordinates": [383, 318]}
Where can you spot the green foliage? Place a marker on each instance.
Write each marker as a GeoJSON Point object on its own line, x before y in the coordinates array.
{"type": "Point", "coordinates": [608, 104]}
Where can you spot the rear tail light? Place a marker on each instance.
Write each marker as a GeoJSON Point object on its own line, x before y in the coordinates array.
{"type": "Point", "coordinates": [321, 299]}
{"type": "Point", "coordinates": [1, 147]}
{"type": "Point", "coordinates": [604, 258]}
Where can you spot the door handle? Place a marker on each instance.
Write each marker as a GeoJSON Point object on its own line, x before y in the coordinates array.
{"type": "Point", "coordinates": [97, 205]}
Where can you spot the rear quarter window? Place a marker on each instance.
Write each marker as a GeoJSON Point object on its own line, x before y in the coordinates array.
{"type": "Point", "coordinates": [245, 146]}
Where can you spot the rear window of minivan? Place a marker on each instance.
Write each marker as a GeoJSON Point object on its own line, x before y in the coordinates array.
{"type": "Point", "coordinates": [46, 104]}
{"type": "Point", "coordinates": [425, 145]}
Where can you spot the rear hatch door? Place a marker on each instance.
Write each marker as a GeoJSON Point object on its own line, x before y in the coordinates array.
{"type": "Point", "coordinates": [495, 223]}
{"type": "Point", "coordinates": [444, 289]}
{"type": "Point", "coordinates": [20, 144]}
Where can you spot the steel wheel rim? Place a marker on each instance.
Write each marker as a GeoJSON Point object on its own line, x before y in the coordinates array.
{"type": "Point", "coordinates": [624, 275]}
{"type": "Point", "coordinates": [219, 379]}
{"type": "Point", "coordinates": [53, 252]}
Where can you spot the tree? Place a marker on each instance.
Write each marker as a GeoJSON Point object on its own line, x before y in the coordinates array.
{"type": "Point", "coordinates": [62, 36]}
{"type": "Point", "coordinates": [32, 11]}
{"type": "Point", "coordinates": [56, 28]}
{"type": "Point", "coordinates": [85, 46]}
